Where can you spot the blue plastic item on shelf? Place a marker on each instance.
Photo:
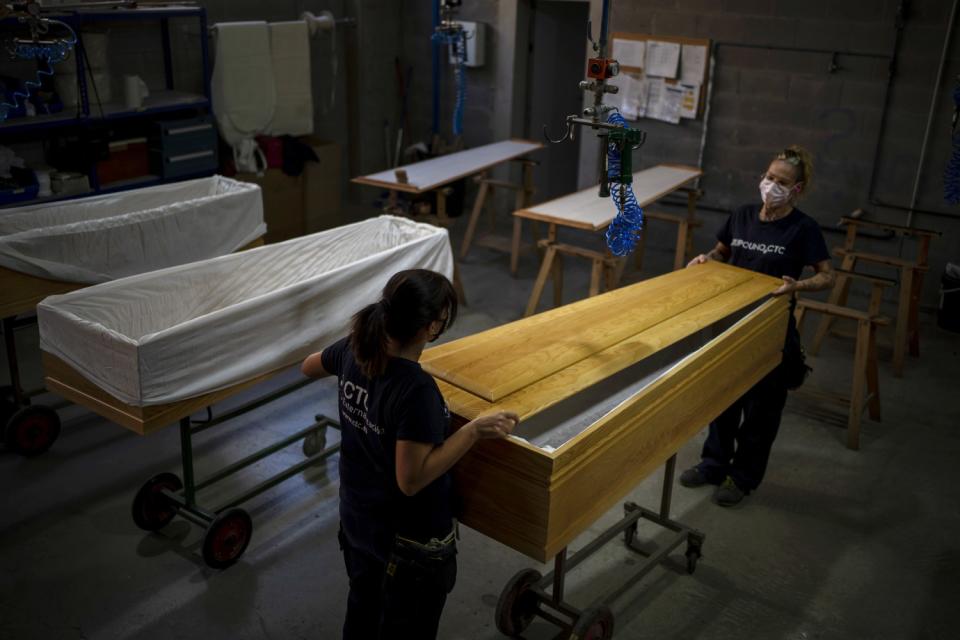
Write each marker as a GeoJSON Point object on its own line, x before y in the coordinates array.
{"type": "Point", "coordinates": [23, 187]}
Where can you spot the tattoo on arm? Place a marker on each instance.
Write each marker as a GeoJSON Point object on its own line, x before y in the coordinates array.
{"type": "Point", "coordinates": [714, 254]}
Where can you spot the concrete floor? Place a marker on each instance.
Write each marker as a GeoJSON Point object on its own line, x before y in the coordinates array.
{"type": "Point", "coordinates": [835, 544]}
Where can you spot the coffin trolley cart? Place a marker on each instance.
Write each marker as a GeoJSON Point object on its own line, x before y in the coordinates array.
{"type": "Point", "coordinates": [59, 247]}
{"type": "Point", "coordinates": [608, 389]}
{"type": "Point", "coordinates": [436, 174]}
{"type": "Point", "coordinates": [583, 210]}
{"type": "Point", "coordinates": [151, 350]}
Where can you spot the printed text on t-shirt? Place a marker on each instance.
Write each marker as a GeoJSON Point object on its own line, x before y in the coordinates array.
{"type": "Point", "coordinates": [758, 246]}
{"type": "Point", "coordinates": [354, 406]}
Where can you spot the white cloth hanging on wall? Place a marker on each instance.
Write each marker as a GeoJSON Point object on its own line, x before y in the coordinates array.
{"type": "Point", "coordinates": [290, 56]}
{"type": "Point", "coordinates": [244, 97]}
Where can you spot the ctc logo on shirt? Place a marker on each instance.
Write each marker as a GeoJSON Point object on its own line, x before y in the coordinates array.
{"type": "Point", "coordinates": [354, 393]}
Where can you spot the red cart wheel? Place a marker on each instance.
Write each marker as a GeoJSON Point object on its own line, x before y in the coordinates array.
{"type": "Point", "coordinates": [595, 623]}
{"type": "Point", "coordinates": [152, 510]}
{"type": "Point", "coordinates": [32, 430]}
{"type": "Point", "coordinates": [518, 605]}
{"type": "Point", "coordinates": [227, 538]}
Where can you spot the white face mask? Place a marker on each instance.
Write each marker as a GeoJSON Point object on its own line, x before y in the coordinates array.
{"type": "Point", "coordinates": [774, 194]}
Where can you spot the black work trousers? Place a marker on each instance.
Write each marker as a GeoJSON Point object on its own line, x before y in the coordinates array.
{"type": "Point", "coordinates": [741, 437]}
{"type": "Point", "coordinates": [401, 599]}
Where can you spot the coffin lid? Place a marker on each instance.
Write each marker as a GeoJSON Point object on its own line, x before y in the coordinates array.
{"type": "Point", "coordinates": [504, 360]}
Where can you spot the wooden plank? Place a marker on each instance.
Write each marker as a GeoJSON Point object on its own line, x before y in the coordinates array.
{"type": "Point", "coordinates": [23, 292]}
{"type": "Point", "coordinates": [584, 210]}
{"type": "Point", "coordinates": [498, 362]}
{"type": "Point", "coordinates": [900, 229]}
{"type": "Point", "coordinates": [61, 378]}
{"type": "Point", "coordinates": [545, 393]}
{"type": "Point", "coordinates": [878, 258]}
{"type": "Point", "coordinates": [433, 173]}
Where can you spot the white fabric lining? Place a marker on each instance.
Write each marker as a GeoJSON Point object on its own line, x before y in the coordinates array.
{"type": "Point", "coordinates": [102, 238]}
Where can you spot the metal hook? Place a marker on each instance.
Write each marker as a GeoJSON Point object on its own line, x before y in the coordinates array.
{"type": "Point", "coordinates": [596, 47]}
{"type": "Point", "coordinates": [567, 135]}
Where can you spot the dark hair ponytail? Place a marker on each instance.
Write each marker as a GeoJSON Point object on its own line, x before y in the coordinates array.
{"type": "Point", "coordinates": [411, 301]}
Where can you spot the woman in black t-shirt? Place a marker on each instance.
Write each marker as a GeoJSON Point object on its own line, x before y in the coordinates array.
{"type": "Point", "coordinates": [777, 239]}
{"type": "Point", "coordinates": [396, 494]}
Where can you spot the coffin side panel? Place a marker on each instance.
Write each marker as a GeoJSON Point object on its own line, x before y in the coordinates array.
{"type": "Point", "coordinates": [68, 382]}
{"type": "Point", "coordinates": [606, 461]}
{"type": "Point", "coordinates": [504, 491]}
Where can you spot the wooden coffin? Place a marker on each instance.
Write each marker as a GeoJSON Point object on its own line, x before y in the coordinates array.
{"type": "Point", "coordinates": [607, 390]}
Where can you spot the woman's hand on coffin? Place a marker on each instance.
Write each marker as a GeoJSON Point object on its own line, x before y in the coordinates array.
{"type": "Point", "coordinates": [420, 463]}
{"type": "Point", "coordinates": [700, 259]}
{"type": "Point", "coordinates": [495, 425]}
{"type": "Point", "coordinates": [789, 286]}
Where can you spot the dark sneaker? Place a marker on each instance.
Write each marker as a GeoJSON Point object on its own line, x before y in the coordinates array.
{"type": "Point", "coordinates": [693, 477]}
{"type": "Point", "coordinates": [728, 493]}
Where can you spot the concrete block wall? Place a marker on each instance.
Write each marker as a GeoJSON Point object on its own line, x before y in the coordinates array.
{"type": "Point", "coordinates": [766, 99]}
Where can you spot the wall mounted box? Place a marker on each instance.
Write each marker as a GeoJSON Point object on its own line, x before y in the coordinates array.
{"type": "Point", "coordinates": [476, 43]}
{"type": "Point", "coordinates": [607, 389]}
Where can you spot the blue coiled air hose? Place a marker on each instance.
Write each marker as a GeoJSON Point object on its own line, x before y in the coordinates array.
{"type": "Point", "coordinates": [458, 41]}
{"type": "Point", "coordinates": [951, 174]}
{"type": "Point", "coordinates": [48, 53]}
{"type": "Point", "coordinates": [624, 231]}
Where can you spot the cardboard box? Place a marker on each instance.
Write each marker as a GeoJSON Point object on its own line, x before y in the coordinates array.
{"type": "Point", "coordinates": [322, 181]}
{"type": "Point", "coordinates": [310, 202]}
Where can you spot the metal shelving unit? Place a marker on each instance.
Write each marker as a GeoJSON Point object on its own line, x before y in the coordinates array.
{"type": "Point", "coordinates": [87, 117]}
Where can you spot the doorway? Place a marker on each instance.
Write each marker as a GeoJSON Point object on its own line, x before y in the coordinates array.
{"type": "Point", "coordinates": [557, 63]}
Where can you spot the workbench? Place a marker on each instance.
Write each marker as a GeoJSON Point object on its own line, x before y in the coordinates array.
{"type": "Point", "coordinates": [436, 174]}
{"type": "Point", "coordinates": [584, 210]}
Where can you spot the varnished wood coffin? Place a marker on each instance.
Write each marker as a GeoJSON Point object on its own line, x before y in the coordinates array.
{"type": "Point", "coordinates": [607, 389]}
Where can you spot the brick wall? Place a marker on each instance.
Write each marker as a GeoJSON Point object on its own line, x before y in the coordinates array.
{"type": "Point", "coordinates": [765, 99]}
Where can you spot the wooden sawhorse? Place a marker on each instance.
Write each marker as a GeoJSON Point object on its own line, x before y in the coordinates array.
{"type": "Point", "coordinates": [865, 386]}
{"type": "Point", "coordinates": [524, 197]}
{"type": "Point", "coordinates": [911, 274]}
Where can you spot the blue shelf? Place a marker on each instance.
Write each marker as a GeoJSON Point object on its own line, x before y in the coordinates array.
{"type": "Point", "coordinates": [90, 114]}
{"type": "Point", "coordinates": [161, 102]}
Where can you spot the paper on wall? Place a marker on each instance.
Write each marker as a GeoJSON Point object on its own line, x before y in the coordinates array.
{"type": "Point", "coordinates": [632, 97]}
{"type": "Point", "coordinates": [663, 58]}
{"type": "Point", "coordinates": [693, 63]}
{"type": "Point", "coordinates": [630, 53]}
{"type": "Point", "coordinates": [690, 103]}
{"type": "Point", "coordinates": [663, 101]}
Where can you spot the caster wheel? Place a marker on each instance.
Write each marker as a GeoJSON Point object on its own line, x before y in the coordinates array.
{"type": "Point", "coordinates": [595, 623]}
{"type": "Point", "coordinates": [518, 604]}
{"type": "Point", "coordinates": [32, 430]}
{"type": "Point", "coordinates": [227, 538]}
{"type": "Point", "coordinates": [315, 442]}
{"type": "Point", "coordinates": [151, 509]}
{"type": "Point", "coordinates": [693, 555]}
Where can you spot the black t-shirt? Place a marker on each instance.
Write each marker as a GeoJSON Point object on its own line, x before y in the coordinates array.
{"type": "Point", "coordinates": [778, 248]}
{"type": "Point", "coordinates": [402, 404]}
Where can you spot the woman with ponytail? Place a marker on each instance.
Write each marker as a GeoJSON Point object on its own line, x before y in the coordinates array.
{"type": "Point", "coordinates": [396, 493]}
{"type": "Point", "coordinates": [777, 239]}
